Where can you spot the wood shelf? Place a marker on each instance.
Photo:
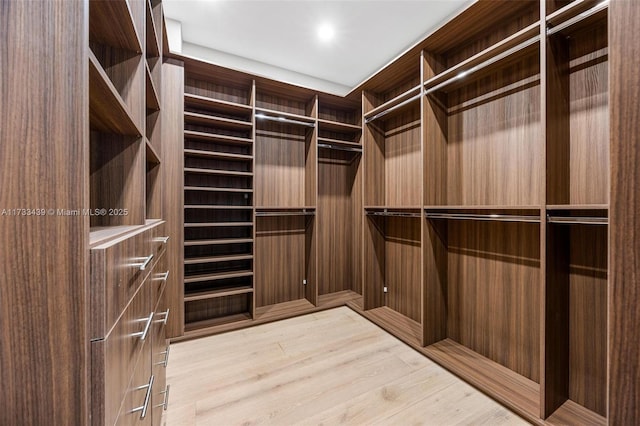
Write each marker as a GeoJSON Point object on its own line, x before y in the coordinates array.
{"type": "Point", "coordinates": [218, 224]}
{"type": "Point", "coordinates": [153, 49]}
{"type": "Point", "coordinates": [217, 138]}
{"type": "Point", "coordinates": [152, 98]}
{"type": "Point", "coordinates": [275, 113]}
{"type": "Point", "coordinates": [152, 154]}
{"type": "Point", "coordinates": [339, 142]}
{"type": "Point", "coordinates": [335, 126]}
{"type": "Point", "coordinates": [213, 121]}
{"type": "Point", "coordinates": [216, 172]}
{"type": "Point", "coordinates": [504, 385]}
{"type": "Point", "coordinates": [216, 207]}
{"type": "Point", "coordinates": [108, 112]}
{"type": "Point", "coordinates": [191, 328]}
{"type": "Point", "coordinates": [468, 66]}
{"type": "Point", "coordinates": [216, 259]}
{"type": "Point", "coordinates": [217, 189]}
{"type": "Point", "coordinates": [111, 23]}
{"type": "Point", "coordinates": [398, 104]}
{"type": "Point", "coordinates": [217, 155]}
{"type": "Point", "coordinates": [337, 299]}
{"type": "Point", "coordinates": [283, 310]}
{"type": "Point", "coordinates": [193, 243]}
{"type": "Point", "coordinates": [217, 277]}
{"type": "Point", "coordinates": [102, 234]}
{"type": "Point", "coordinates": [571, 413]}
{"type": "Point", "coordinates": [577, 206]}
{"type": "Point", "coordinates": [216, 104]}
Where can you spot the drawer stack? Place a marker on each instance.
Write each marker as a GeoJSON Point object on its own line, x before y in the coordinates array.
{"type": "Point", "coordinates": [129, 351]}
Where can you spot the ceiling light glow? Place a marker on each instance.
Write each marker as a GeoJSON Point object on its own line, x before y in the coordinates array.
{"type": "Point", "coordinates": [326, 32]}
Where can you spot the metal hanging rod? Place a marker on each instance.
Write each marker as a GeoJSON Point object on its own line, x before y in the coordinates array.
{"type": "Point", "coordinates": [485, 217]}
{"type": "Point", "coordinates": [285, 213]}
{"type": "Point", "coordinates": [394, 214]}
{"type": "Point", "coordinates": [581, 17]}
{"type": "Point", "coordinates": [484, 64]}
{"type": "Point", "coordinates": [568, 220]}
{"type": "Point", "coordinates": [284, 120]}
{"type": "Point", "coordinates": [341, 148]}
{"type": "Point", "coordinates": [388, 110]}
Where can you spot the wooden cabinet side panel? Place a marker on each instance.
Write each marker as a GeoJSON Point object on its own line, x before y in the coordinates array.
{"type": "Point", "coordinates": [173, 190]}
{"type": "Point", "coordinates": [43, 165]}
{"type": "Point", "coordinates": [624, 256]}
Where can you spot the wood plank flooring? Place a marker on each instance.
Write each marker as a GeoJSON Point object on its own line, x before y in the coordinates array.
{"type": "Point", "coordinates": [326, 368]}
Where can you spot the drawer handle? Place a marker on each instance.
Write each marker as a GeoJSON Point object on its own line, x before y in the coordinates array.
{"type": "Point", "coordinates": [165, 277]}
{"type": "Point", "coordinates": [163, 240]}
{"type": "Point", "coordinates": [147, 397]}
{"type": "Point", "coordinates": [144, 264]}
{"type": "Point", "coordinates": [166, 398]}
{"type": "Point", "coordinates": [166, 357]}
{"type": "Point", "coordinates": [143, 334]}
{"type": "Point", "coordinates": [166, 316]}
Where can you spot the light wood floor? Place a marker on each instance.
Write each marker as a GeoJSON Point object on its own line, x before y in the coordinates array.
{"type": "Point", "coordinates": [328, 368]}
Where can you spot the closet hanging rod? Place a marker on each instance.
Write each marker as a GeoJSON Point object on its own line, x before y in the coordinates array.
{"type": "Point", "coordinates": [581, 17]}
{"type": "Point", "coordinates": [284, 120]}
{"type": "Point", "coordinates": [341, 148]}
{"type": "Point", "coordinates": [393, 214]}
{"type": "Point", "coordinates": [387, 111]}
{"type": "Point", "coordinates": [485, 217]}
{"type": "Point", "coordinates": [568, 220]}
{"type": "Point", "coordinates": [285, 213]}
{"type": "Point", "coordinates": [482, 65]}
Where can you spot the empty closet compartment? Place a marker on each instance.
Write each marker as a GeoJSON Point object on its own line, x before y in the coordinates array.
{"type": "Point", "coordinates": [578, 110]}
{"type": "Point", "coordinates": [285, 152]}
{"type": "Point", "coordinates": [482, 298]}
{"type": "Point", "coordinates": [339, 219]}
{"type": "Point", "coordinates": [216, 311]}
{"type": "Point", "coordinates": [393, 271]}
{"type": "Point", "coordinates": [576, 323]}
{"type": "Point", "coordinates": [482, 113]}
{"type": "Point", "coordinates": [339, 120]}
{"type": "Point", "coordinates": [153, 193]}
{"type": "Point", "coordinates": [285, 261]}
{"type": "Point", "coordinates": [393, 148]}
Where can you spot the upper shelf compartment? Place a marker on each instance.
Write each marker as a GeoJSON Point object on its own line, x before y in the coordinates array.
{"type": "Point", "coordinates": [298, 107]}
{"type": "Point", "coordinates": [114, 23]}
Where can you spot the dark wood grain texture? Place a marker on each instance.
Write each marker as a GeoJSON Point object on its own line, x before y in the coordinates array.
{"type": "Point", "coordinates": [172, 179]}
{"type": "Point", "coordinates": [624, 292]}
{"type": "Point", "coordinates": [44, 260]}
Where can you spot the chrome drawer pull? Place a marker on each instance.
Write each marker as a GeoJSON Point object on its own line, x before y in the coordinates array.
{"type": "Point", "coordinates": [143, 334]}
{"type": "Point", "coordinates": [144, 264]}
{"type": "Point", "coordinates": [162, 240]}
{"type": "Point", "coordinates": [165, 277]}
{"type": "Point", "coordinates": [166, 316]}
{"type": "Point", "coordinates": [166, 398]}
{"type": "Point", "coordinates": [166, 357]}
{"type": "Point", "coordinates": [147, 398]}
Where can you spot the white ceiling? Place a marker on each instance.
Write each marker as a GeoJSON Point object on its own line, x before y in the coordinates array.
{"type": "Point", "coordinates": [267, 36]}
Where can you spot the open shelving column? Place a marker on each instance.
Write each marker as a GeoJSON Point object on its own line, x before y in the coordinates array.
{"type": "Point", "coordinates": [218, 198]}
{"type": "Point", "coordinates": [285, 199]}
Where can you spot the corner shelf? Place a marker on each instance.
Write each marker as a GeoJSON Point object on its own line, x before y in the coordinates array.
{"type": "Point", "coordinates": [111, 23]}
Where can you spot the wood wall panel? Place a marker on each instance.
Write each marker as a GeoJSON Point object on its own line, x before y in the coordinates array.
{"type": "Point", "coordinates": [403, 276]}
{"type": "Point", "coordinates": [494, 154]}
{"type": "Point", "coordinates": [374, 165]}
{"type": "Point", "coordinates": [624, 292]}
{"type": "Point", "coordinates": [373, 258]}
{"type": "Point", "coordinates": [403, 160]}
{"type": "Point", "coordinates": [588, 317]}
{"type": "Point", "coordinates": [280, 155]}
{"type": "Point", "coordinates": [172, 183]}
{"type": "Point", "coordinates": [589, 117]}
{"type": "Point", "coordinates": [44, 162]}
{"type": "Point", "coordinates": [494, 292]}
{"type": "Point", "coordinates": [435, 292]}
{"type": "Point", "coordinates": [339, 216]}
{"type": "Point", "coordinates": [280, 264]}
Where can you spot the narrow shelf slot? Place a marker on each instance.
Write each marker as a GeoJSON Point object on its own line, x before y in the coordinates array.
{"type": "Point", "coordinates": [576, 220]}
{"type": "Point", "coordinates": [216, 259]}
{"type": "Point", "coordinates": [211, 120]}
{"type": "Point", "coordinates": [215, 189]}
{"type": "Point", "coordinates": [216, 104]}
{"type": "Point", "coordinates": [217, 242]}
{"type": "Point", "coordinates": [213, 137]}
{"type": "Point", "coordinates": [217, 155]}
{"type": "Point", "coordinates": [216, 276]}
{"type": "Point", "coordinates": [108, 112]}
{"type": "Point", "coordinates": [336, 126]}
{"type": "Point", "coordinates": [213, 294]}
{"type": "Point", "coordinates": [111, 23]}
{"type": "Point", "coordinates": [330, 141]}
{"type": "Point", "coordinates": [216, 172]}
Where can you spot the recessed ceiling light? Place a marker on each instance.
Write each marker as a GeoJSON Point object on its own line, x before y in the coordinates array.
{"type": "Point", "coordinates": [326, 32]}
